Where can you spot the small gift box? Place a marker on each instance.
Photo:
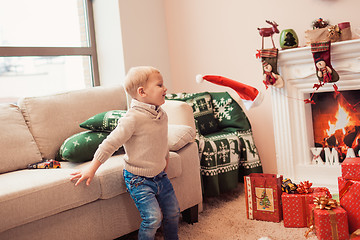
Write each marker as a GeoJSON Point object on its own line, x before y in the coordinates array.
{"type": "Point", "coordinates": [350, 168]}
{"type": "Point", "coordinates": [295, 206]}
{"type": "Point", "coordinates": [329, 222]}
{"type": "Point", "coordinates": [263, 197]}
{"type": "Point", "coordinates": [349, 192]}
{"type": "Point", "coordinates": [335, 33]}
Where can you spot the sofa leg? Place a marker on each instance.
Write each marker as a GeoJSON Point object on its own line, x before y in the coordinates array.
{"type": "Point", "coordinates": [190, 215]}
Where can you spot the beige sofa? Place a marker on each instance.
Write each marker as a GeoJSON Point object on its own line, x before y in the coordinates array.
{"type": "Point", "coordinates": [44, 203]}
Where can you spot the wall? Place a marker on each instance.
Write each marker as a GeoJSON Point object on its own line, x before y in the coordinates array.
{"type": "Point", "coordinates": [109, 41]}
{"type": "Point", "coordinates": [221, 37]}
{"type": "Point", "coordinates": [144, 35]}
{"type": "Point", "coordinates": [128, 34]}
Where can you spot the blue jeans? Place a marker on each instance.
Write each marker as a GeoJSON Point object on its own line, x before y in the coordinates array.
{"type": "Point", "coordinates": [155, 199]}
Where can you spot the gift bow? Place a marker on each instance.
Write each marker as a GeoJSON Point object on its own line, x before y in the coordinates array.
{"type": "Point", "coordinates": [304, 187]}
{"type": "Point", "coordinates": [323, 189]}
{"type": "Point", "coordinates": [324, 202]}
{"type": "Point", "coordinates": [334, 32]}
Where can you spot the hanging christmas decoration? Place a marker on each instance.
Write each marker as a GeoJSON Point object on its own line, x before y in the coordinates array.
{"type": "Point", "coordinates": [324, 70]}
{"type": "Point", "coordinates": [320, 50]}
{"type": "Point", "coordinates": [322, 58]}
{"type": "Point", "coordinates": [269, 57]}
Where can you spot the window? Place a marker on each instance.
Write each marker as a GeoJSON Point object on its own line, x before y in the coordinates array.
{"type": "Point", "coordinates": [46, 46]}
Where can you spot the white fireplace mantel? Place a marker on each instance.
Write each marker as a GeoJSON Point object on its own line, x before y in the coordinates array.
{"type": "Point", "coordinates": [292, 117]}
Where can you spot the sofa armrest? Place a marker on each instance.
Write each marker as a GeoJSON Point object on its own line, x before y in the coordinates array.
{"type": "Point", "coordinates": [179, 113]}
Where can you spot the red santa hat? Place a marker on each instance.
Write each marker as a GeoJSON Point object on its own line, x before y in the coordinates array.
{"type": "Point", "coordinates": [250, 96]}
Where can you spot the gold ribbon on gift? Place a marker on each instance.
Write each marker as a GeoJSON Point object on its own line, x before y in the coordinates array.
{"type": "Point", "coordinates": [325, 203]}
{"type": "Point", "coordinates": [307, 189]}
{"type": "Point", "coordinates": [334, 33]}
{"type": "Point", "coordinates": [333, 223]}
{"type": "Point", "coordinates": [355, 234]}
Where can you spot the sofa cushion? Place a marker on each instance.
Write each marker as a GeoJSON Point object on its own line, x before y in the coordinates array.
{"type": "Point", "coordinates": [179, 136]}
{"type": "Point", "coordinates": [228, 112]}
{"type": "Point", "coordinates": [52, 119]}
{"type": "Point", "coordinates": [29, 195]}
{"type": "Point", "coordinates": [202, 109]}
{"type": "Point", "coordinates": [81, 147]}
{"type": "Point", "coordinates": [179, 112]}
{"type": "Point", "coordinates": [110, 173]}
{"type": "Point", "coordinates": [105, 121]}
{"type": "Point", "coordinates": [17, 148]}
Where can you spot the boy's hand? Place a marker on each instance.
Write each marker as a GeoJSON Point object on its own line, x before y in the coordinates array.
{"type": "Point", "coordinates": [87, 173]}
{"type": "Point", "coordinates": [82, 175]}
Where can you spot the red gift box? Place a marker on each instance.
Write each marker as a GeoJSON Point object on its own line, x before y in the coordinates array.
{"type": "Point", "coordinates": [350, 168]}
{"type": "Point", "coordinates": [330, 224]}
{"type": "Point", "coordinates": [349, 192]}
{"type": "Point", "coordinates": [295, 207]}
{"type": "Point", "coordinates": [263, 197]}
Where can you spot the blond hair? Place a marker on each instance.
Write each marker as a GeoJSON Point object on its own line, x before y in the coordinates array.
{"type": "Point", "coordinates": [137, 77]}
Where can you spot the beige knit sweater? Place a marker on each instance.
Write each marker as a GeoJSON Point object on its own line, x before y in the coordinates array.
{"type": "Point", "coordinates": [143, 132]}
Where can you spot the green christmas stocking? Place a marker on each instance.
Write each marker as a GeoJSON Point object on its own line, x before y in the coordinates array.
{"type": "Point", "coordinates": [322, 58]}
{"type": "Point", "coordinates": [269, 63]}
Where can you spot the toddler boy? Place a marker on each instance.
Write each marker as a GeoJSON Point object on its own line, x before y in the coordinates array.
{"type": "Point", "coordinates": [143, 132]}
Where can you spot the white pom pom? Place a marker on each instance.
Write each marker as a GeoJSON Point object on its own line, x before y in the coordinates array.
{"type": "Point", "coordinates": [199, 78]}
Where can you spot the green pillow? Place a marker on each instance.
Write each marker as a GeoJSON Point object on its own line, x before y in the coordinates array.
{"type": "Point", "coordinates": [202, 109]}
{"type": "Point", "coordinates": [105, 121]}
{"type": "Point", "coordinates": [81, 146]}
{"type": "Point", "coordinates": [228, 112]}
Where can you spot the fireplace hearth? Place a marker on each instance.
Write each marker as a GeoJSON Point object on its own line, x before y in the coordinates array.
{"type": "Point", "coordinates": [303, 151]}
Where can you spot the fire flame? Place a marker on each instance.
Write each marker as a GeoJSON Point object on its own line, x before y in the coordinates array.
{"type": "Point", "coordinates": [343, 120]}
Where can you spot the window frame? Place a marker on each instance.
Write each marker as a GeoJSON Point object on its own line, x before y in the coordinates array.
{"type": "Point", "coordinates": [90, 51]}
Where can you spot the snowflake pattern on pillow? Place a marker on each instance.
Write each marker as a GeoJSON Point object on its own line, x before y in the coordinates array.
{"type": "Point", "coordinates": [228, 112]}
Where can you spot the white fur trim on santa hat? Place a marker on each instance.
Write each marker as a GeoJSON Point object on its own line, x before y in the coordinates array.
{"type": "Point", "coordinates": [248, 104]}
{"type": "Point", "coordinates": [199, 78]}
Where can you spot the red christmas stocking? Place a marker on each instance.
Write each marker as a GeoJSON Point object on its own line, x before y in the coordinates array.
{"type": "Point", "coordinates": [324, 71]}
{"type": "Point", "coordinates": [322, 58]}
{"type": "Point", "coordinates": [269, 63]}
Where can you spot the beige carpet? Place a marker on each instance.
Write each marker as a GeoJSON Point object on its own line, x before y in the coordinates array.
{"type": "Point", "coordinates": [224, 218]}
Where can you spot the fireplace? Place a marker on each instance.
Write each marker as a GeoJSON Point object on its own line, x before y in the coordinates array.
{"type": "Point", "coordinates": [336, 126]}
{"type": "Point", "coordinates": [298, 153]}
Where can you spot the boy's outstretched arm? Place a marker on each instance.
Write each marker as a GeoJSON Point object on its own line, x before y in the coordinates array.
{"type": "Point", "coordinates": [87, 173]}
